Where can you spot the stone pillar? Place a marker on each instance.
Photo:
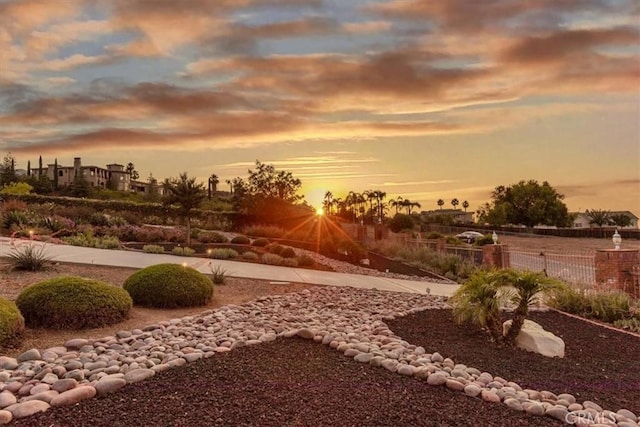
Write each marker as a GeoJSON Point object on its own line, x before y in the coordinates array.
{"type": "Point", "coordinates": [361, 233]}
{"type": "Point", "coordinates": [440, 243]}
{"type": "Point", "coordinates": [495, 256]}
{"type": "Point", "coordinates": [615, 268]}
{"type": "Point", "coordinates": [381, 232]}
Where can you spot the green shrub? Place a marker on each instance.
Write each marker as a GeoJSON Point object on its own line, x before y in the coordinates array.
{"type": "Point", "coordinates": [212, 237]}
{"type": "Point", "coordinates": [274, 248]}
{"type": "Point", "coordinates": [11, 218]}
{"type": "Point", "coordinates": [99, 219]}
{"type": "Point", "coordinates": [487, 239]}
{"type": "Point", "coordinates": [452, 240]}
{"type": "Point", "coordinates": [87, 239]}
{"type": "Point", "coordinates": [219, 275]}
{"type": "Point", "coordinates": [11, 324]}
{"type": "Point", "coordinates": [261, 242]}
{"type": "Point", "coordinates": [241, 240]}
{"type": "Point", "coordinates": [272, 259]}
{"type": "Point", "coordinates": [251, 256]}
{"type": "Point", "coordinates": [30, 257]}
{"type": "Point", "coordinates": [73, 303]}
{"type": "Point", "coordinates": [632, 324]}
{"type": "Point", "coordinates": [305, 260]}
{"type": "Point", "coordinates": [610, 306]}
{"type": "Point", "coordinates": [169, 286]}
{"type": "Point", "coordinates": [180, 251]}
{"type": "Point", "coordinates": [153, 249]}
{"type": "Point", "coordinates": [223, 253]}
{"type": "Point", "coordinates": [434, 235]}
{"type": "Point", "coordinates": [401, 222]}
{"type": "Point", "coordinates": [569, 300]}
{"type": "Point", "coordinates": [288, 252]}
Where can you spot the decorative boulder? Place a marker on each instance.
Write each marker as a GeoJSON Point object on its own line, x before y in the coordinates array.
{"type": "Point", "coordinates": [534, 338]}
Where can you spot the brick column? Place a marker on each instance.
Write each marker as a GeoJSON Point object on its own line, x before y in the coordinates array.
{"type": "Point", "coordinates": [614, 269]}
{"type": "Point", "coordinates": [381, 232]}
{"type": "Point", "coordinates": [361, 232]}
{"type": "Point", "coordinates": [495, 256]}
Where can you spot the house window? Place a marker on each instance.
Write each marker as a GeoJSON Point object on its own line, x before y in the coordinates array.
{"type": "Point", "coordinates": [60, 173]}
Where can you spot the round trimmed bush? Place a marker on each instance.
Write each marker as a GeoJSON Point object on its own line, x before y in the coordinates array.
{"type": "Point", "coordinates": [73, 303]}
{"type": "Point", "coordinates": [11, 323]}
{"type": "Point", "coordinates": [241, 240]}
{"type": "Point", "coordinates": [260, 242]}
{"type": "Point", "coordinates": [169, 286]}
{"type": "Point", "coordinates": [274, 248]}
{"type": "Point", "coordinates": [288, 252]}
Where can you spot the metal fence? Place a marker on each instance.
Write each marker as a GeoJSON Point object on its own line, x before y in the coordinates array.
{"type": "Point", "coordinates": [575, 268]}
{"type": "Point", "coordinates": [471, 255]}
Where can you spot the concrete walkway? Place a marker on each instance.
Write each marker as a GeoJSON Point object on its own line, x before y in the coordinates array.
{"type": "Point", "coordinates": [123, 258]}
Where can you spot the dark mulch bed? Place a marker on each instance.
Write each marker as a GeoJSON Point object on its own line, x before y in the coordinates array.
{"type": "Point", "coordinates": [300, 383]}
{"type": "Point", "coordinates": [289, 382]}
{"type": "Point", "coordinates": [600, 365]}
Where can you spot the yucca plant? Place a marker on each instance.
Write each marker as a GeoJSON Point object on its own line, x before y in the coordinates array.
{"type": "Point", "coordinates": [219, 274]}
{"type": "Point", "coordinates": [30, 257]}
{"type": "Point", "coordinates": [480, 300]}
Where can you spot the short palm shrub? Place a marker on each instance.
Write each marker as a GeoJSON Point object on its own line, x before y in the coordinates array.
{"type": "Point", "coordinates": [260, 242]}
{"type": "Point", "coordinates": [250, 256]}
{"type": "Point", "coordinates": [479, 301]}
{"type": "Point", "coordinates": [11, 323]}
{"type": "Point", "coordinates": [305, 260]}
{"type": "Point", "coordinates": [31, 257]}
{"type": "Point", "coordinates": [73, 303]}
{"type": "Point", "coordinates": [272, 259]}
{"type": "Point", "coordinates": [87, 239]}
{"type": "Point", "coordinates": [223, 253]}
{"type": "Point", "coordinates": [153, 249]}
{"type": "Point", "coordinates": [241, 240]}
{"type": "Point", "coordinates": [180, 251]}
{"type": "Point", "coordinates": [288, 252]}
{"type": "Point", "coordinates": [169, 286]}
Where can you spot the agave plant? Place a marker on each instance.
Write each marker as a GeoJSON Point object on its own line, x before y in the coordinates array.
{"type": "Point", "coordinates": [30, 257]}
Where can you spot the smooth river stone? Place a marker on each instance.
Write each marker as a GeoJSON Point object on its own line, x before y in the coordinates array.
{"type": "Point", "coordinates": [33, 354]}
{"type": "Point", "coordinates": [5, 417]}
{"type": "Point", "coordinates": [7, 399]}
{"type": "Point", "coordinates": [108, 385]}
{"type": "Point", "coordinates": [26, 409]}
{"type": "Point", "coordinates": [73, 396]}
{"type": "Point", "coordinates": [45, 396]}
{"type": "Point", "coordinates": [437, 378]}
{"type": "Point", "coordinates": [138, 375]}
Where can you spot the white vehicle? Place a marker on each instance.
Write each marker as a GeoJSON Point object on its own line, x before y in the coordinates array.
{"type": "Point", "coordinates": [469, 236]}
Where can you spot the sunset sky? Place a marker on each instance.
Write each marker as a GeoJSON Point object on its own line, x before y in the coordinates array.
{"type": "Point", "coordinates": [419, 98]}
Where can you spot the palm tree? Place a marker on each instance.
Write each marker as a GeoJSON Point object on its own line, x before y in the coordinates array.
{"type": "Point", "coordinates": [187, 194]}
{"type": "Point", "coordinates": [455, 203]}
{"type": "Point", "coordinates": [414, 205]}
{"type": "Point", "coordinates": [212, 185]}
{"type": "Point", "coordinates": [328, 202]}
{"type": "Point", "coordinates": [380, 196]}
{"type": "Point", "coordinates": [396, 203]}
{"type": "Point", "coordinates": [230, 184]}
{"type": "Point", "coordinates": [480, 300]}
{"type": "Point", "coordinates": [465, 205]}
{"type": "Point", "coordinates": [528, 286]}
{"type": "Point", "coordinates": [440, 203]}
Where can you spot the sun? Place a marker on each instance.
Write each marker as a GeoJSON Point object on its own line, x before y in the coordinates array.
{"type": "Point", "coordinates": [319, 211]}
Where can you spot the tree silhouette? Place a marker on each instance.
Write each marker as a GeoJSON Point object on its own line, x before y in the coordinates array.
{"type": "Point", "coordinates": [599, 217]}
{"type": "Point", "coordinates": [465, 205]}
{"type": "Point", "coordinates": [212, 185]}
{"type": "Point", "coordinates": [455, 203]}
{"type": "Point", "coordinates": [440, 203]}
{"type": "Point", "coordinates": [187, 194]}
{"type": "Point", "coordinates": [131, 169]}
{"type": "Point", "coordinates": [620, 219]}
